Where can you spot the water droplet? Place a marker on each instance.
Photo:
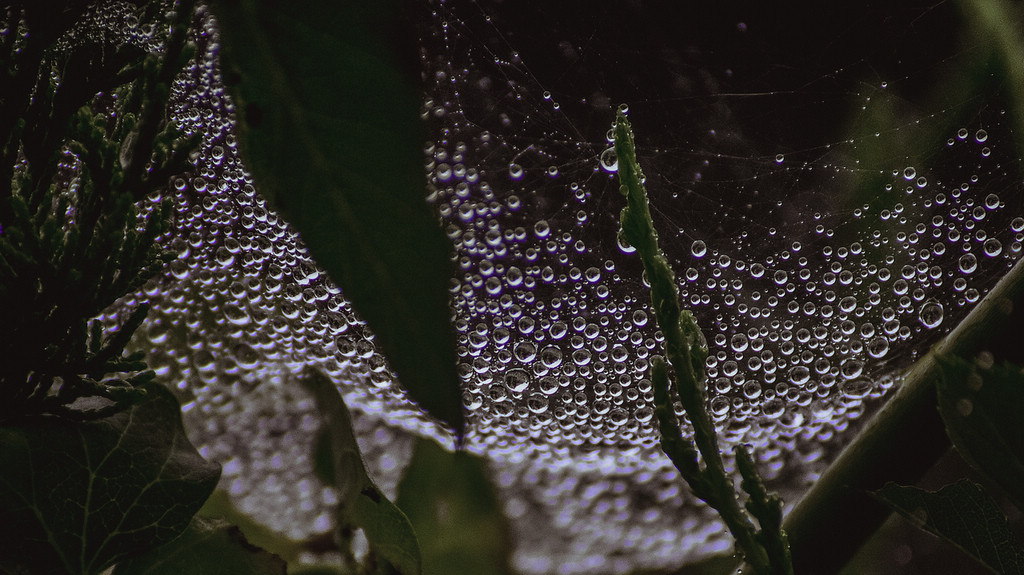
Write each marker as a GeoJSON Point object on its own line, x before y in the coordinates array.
{"type": "Point", "coordinates": [739, 343]}
{"type": "Point", "coordinates": [538, 403]}
{"type": "Point", "coordinates": [992, 247]}
{"type": "Point", "coordinates": [551, 357]}
{"type": "Point", "coordinates": [639, 318]}
{"type": "Point", "coordinates": [618, 417]}
{"type": "Point", "coordinates": [516, 380]}
{"type": "Point", "coordinates": [752, 389]}
{"type": "Point", "coordinates": [848, 304]}
{"type": "Point", "coordinates": [542, 229]}
{"type": "Point", "coordinates": [967, 263]}
{"type": "Point", "coordinates": [852, 368]}
{"type": "Point", "coordinates": [799, 375]}
{"type": "Point", "coordinates": [515, 171]}
{"type": "Point", "coordinates": [930, 314]}
{"type": "Point", "coordinates": [624, 246]}
{"type": "Point", "coordinates": [909, 173]}
{"type": "Point", "coordinates": [981, 136]}
{"type": "Point", "coordinates": [878, 347]}
{"type": "Point", "coordinates": [609, 161]}
{"type": "Point", "coordinates": [698, 249]}
{"type": "Point", "coordinates": [773, 408]}
{"type": "Point", "coordinates": [720, 405]}
{"type": "Point", "coordinates": [857, 388]}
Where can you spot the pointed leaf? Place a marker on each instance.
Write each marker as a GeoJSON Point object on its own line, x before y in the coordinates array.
{"type": "Point", "coordinates": [982, 412]}
{"type": "Point", "coordinates": [963, 514]}
{"type": "Point", "coordinates": [77, 497]}
{"type": "Point", "coordinates": [455, 510]}
{"type": "Point", "coordinates": [331, 131]}
{"type": "Point", "coordinates": [361, 503]}
{"type": "Point", "coordinates": [207, 547]}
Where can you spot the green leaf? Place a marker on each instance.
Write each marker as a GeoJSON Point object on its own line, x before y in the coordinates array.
{"type": "Point", "coordinates": [963, 514]}
{"type": "Point", "coordinates": [319, 570]}
{"type": "Point", "coordinates": [982, 411]}
{"type": "Point", "coordinates": [207, 547]}
{"type": "Point", "coordinates": [331, 131]}
{"type": "Point", "coordinates": [455, 510]}
{"type": "Point", "coordinates": [361, 503]}
{"type": "Point", "coordinates": [219, 506]}
{"type": "Point", "coordinates": [86, 495]}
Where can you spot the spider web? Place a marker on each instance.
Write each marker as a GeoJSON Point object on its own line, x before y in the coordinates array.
{"type": "Point", "coordinates": [830, 213]}
{"type": "Point", "coordinates": [834, 192]}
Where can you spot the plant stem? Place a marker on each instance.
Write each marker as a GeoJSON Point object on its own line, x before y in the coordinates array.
{"type": "Point", "coordinates": [686, 351]}
{"type": "Point", "coordinates": [900, 443]}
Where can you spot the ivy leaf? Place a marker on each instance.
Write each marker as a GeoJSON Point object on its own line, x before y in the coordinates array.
{"type": "Point", "coordinates": [77, 497]}
{"type": "Point", "coordinates": [361, 504]}
{"type": "Point", "coordinates": [982, 412]}
{"type": "Point", "coordinates": [331, 131]}
{"type": "Point", "coordinates": [454, 508]}
{"type": "Point", "coordinates": [208, 547]}
{"type": "Point", "coordinates": [963, 514]}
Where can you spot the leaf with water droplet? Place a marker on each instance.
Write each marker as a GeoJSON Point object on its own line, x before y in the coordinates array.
{"type": "Point", "coordinates": [330, 128]}
{"type": "Point", "coordinates": [982, 410]}
{"type": "Point", "coordinates": [963, 514]}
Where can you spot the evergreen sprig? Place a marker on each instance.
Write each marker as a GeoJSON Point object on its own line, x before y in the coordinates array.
{"type": "Point", "coordinates": [74, 235]}
{"type": "Point", "coordinates": [765, 549]}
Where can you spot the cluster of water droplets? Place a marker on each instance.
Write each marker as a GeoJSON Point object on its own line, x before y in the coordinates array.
{"type": "Point", "coordinates": [555, 335]}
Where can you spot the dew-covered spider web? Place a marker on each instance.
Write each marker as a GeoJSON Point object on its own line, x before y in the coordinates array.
{"type": "Point", "coordinates": [835, 192]}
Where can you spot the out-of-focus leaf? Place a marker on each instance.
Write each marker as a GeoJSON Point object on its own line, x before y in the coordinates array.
{"type": "Point", "coordinates": [984, 415]}
{"type": "Point", "coordinates": [361, 503]}
{"type": "Point", "coordinates": [219, 506]}
{"type": "Point", "coordinates": [454, 508]}
{"type": "Point", "coordinates": [319, 570]}
{"type": "Point", "coordinates": [207, 547]}
{"type": "Point", "coordinates": [963, 514]}
{"type": "Point", "coordinates": [77, 497]}
{"type": "Point", "coordinates": [330, 129]}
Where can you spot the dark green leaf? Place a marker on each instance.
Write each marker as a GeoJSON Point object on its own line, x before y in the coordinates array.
{"type": "Point", "coordinates": [982, 410]}
{"type": "Point", "coordinates": [331, 131]}
{"type": "Point", "coordinates": [963, 514]}
{"type": "Point", "coordinates": [77, 497]}
{"type": "Point", "coordinates": [207, 547]}
{"type": "Point", "coordinates": [455, 511]}
{"type": "Point", "coordinates": [361, 504]}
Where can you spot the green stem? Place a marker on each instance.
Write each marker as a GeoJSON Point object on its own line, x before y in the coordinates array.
{"type": "Point", "coordinates": [835, 514]}
{"type": "Point", "coordinates": [686, 353]}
